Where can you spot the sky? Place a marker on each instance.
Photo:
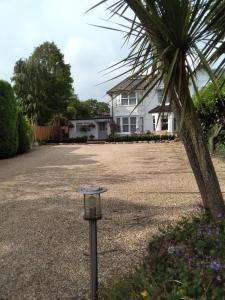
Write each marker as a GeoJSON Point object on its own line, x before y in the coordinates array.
{"type": "Point", "coordinates": [25, 24]}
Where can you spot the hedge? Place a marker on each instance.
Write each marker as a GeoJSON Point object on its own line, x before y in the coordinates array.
{"type": "Point", "coordinates": [82, 139]}
{"type": "Point", "coordinates": [136, 138]}
{"type": "Point", "coordinates": [8, 121]}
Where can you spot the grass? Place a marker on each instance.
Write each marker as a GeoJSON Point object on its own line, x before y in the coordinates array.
{"type": "Point", "coordinates": [185, 261]}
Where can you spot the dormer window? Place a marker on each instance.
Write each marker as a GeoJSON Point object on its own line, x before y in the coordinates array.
{"type": "Point", "coordinates": [128, 99]}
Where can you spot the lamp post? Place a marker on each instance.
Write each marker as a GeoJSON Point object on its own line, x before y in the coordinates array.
{"type": "Point", "coordinates": [92, 213]}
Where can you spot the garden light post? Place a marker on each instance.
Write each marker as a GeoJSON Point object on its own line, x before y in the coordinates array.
{"type": "Point", "coordinates": [92, 213]}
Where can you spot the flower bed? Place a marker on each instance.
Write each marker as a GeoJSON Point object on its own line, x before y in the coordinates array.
{"type": "Point", "coordinates": [186, 261]}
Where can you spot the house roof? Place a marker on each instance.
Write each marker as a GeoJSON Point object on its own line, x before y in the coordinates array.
{"type": "Point", "coordinates": [128, 83]}
{"type": "Point", "coordinates": [159, 108]}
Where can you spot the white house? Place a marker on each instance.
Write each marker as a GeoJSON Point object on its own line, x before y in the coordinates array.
{"type": "Point", "coordinates": [145, 117]}
{"type": "Point", "coordinates": [129, 120]}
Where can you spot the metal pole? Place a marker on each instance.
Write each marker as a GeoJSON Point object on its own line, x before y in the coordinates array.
{"type": "Point", "coordinates": [93, 257]}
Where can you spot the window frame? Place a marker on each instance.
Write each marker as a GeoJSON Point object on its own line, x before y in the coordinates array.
{"type": "Point", "coordinates": [129, 124]}
{"type": "Point", "coordinates": [125, 124]}
{"type": "Point", "coordinates": [128, 98]}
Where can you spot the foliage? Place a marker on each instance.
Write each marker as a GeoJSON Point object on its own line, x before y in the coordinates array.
{"type": "Point", "coordinates": [8, 121]}
{"type": "Point", "coordinates": [211, 105]}
{"type": "Point", "coordinates": [43, 83]}
{"type": "Point", "coordinates": [136, 138]}
{"type": "Point", "coordinates": [25, 134]}
{"type": "Point", "coordinates": [186, 261]}
{"type": "Point", "coordinates": [82, 139]}
{"type": "Point", "coordinates": [92, 108]}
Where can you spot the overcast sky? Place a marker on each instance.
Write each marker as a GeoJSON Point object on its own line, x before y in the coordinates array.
{"type": "Point", "coordinates": [27, 23]}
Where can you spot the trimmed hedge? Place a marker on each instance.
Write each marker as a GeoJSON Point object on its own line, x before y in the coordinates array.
{"type": "Point", "coordinates": [8, 121]}
{"type": "Point", "coordinates": [25, 134]}
{"type": "Point", "coordinates": [82, 139]}
{"type": "Point", "coordinates": [136, 138]}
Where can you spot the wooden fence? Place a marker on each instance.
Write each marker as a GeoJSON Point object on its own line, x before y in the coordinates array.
{"type": "Point", "coordinates": [44, 133]}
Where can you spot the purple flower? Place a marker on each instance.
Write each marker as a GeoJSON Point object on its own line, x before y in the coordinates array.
{"type": "Point", "coordinates": [215, 266]}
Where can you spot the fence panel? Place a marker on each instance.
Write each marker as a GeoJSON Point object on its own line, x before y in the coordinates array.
{"type": "Point", "coordinates": [41, 133]}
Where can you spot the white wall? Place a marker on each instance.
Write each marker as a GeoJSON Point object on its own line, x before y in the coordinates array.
{"type": "Point", "coordinates": [73, 133]}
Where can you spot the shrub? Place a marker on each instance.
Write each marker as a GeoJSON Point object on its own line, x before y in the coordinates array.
{"type": "Point", "coordinates": [8, 121]}
{"type": "Point", "coordinates": [136, 138]}
{"type": "Point", "coordinates": [25, 134]}
{"type": "Point", "coordinates": [82, 139]}
{"type": "Point", "coordinates": [187, 261]}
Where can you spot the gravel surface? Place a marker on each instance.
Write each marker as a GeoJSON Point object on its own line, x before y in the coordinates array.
{"type": "Point", "coordinates": [43, 239]}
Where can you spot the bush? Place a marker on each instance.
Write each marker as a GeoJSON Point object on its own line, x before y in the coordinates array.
{"type": "Point", "coordinates": [136, 138]}
{"type": "Point", "coordinates": [25, 134]}
{"type": "Point", "coordinates": [82, 139]}
{"type": "Point", "coordinates": [8, 121]}
{"type": "Point", "coordinates": [187, 261]}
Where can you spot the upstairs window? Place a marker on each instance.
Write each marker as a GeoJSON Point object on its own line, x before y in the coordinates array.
{"type": "Point", "coordinates": [159, 95]}
{"type": "Point", "coordinates": [128, 99]}
{"type": "Point", "coordinates": [124, 99]}
{"type": "Point", "coordinates": [132, 99]}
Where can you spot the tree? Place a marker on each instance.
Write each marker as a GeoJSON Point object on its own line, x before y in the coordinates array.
{"type": "Point", "coordinates": [92, 108]}
{"type": "Point", "coordinates": [211, 108]}
{"type": "Point", "coordinates": [8, 121]}
{"type": "Point", "coordinates": [170, 41]}
{"type": "Point", "coordinates": [43, 83]}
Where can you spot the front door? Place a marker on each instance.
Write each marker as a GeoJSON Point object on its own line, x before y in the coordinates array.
{"type": "Point", "coordinates": [102, 130]}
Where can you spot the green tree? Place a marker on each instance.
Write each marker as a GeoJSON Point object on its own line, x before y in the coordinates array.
{"type": "Point", "coordinates": [170, 40]}
{"type": "Point", "coordinates": [211, 108]}
{"type": "Point", "coordinates": [92, 108]}
{"type": "Point", "coordinates": [43, 83]}
{"type": "Point", "coordinates": [8, 121]}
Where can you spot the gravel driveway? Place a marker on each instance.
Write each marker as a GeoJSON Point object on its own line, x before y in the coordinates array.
{"type": "Point", "coordinates": [43, 239]}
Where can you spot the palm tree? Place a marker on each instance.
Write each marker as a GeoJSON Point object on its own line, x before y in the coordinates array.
{"type": "Point", "coordinates": [170, 40]}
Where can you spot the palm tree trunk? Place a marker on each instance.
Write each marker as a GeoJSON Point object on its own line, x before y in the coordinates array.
{"type": "Point", "coordinates": [193, 160]}
{"type": "Point", "coordinates": [200, 160]}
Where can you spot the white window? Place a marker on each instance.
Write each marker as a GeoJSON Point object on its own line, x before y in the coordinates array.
{"type": "Point", "coordinates": [129, 124]}
{"type": "Point", "coordinates": [153, 122]}
{"type": "Point", "coordinates": [133, 121]}
{"type": "Point", "coordinates": [129, 99]}
{"type": "Point", "coordinates": [159, 95]}
{"type": "Point", "coordinates": [125, 124]}
{"type": "Point", "coordinates": [124, 99]}
{"type": "Point", "coordinates": [139, 96]}
{"type": "Point", "coordinates": [79, 126]}
{"type": "Point", "coordinates": [132, 99]}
